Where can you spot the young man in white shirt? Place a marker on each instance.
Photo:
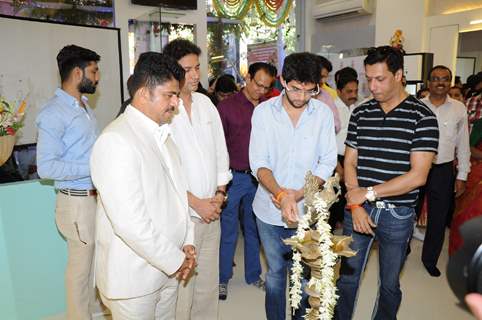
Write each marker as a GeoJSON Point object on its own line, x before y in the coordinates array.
{"type": "Point", "coordinates": [454, 143]}
{"type": "Point", "coordinates": [199, 135]}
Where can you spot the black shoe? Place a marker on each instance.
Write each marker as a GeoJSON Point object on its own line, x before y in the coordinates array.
{"type": "Point", "coordinates": [409, 250]}
{"type": "Point", "coordinates": [223, 291]}
{"type": "Point", "coordinates": [432, 270]}
{"type": "Point", "coordinates": [259, 284]}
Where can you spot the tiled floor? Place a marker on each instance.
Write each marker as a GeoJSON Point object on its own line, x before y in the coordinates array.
{"type": "Point", "coordinates": [424, 297]}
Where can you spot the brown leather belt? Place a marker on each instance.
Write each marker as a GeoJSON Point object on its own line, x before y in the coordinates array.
{"type": "Point", "coordinates": [78, 193]}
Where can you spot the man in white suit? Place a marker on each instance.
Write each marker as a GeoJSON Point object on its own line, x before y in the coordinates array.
{"type": "Point", "coordinates": [144, 232]}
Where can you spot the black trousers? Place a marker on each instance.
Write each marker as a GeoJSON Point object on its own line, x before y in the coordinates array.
{"type": "Point", "coordinates": [440, 195]}
{"type": "Point", "coordinates": [337, 210]}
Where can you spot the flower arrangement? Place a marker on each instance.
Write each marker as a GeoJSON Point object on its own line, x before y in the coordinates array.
{"type": "Point", "coordinates": [11, 120]}
{"type": "Point", "coordinates": [314, 245]}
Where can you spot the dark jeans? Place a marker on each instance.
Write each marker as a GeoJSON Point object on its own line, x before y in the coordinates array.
{"type": "Point", "coordinates": [393, 231]}
{"type": "Point", "coordinates": [240, 195]}
{"type": "Point", "coordinates": [278, 256]}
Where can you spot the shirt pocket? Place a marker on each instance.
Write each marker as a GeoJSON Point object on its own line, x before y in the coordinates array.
{"type": "Point", "coordinates": [448, 129]}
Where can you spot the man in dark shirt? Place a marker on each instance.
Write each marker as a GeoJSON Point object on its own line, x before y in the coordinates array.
{"type": "Point", "coordinates": [391, 142]}
{"type": "Point", "coordinates": [236, 112]}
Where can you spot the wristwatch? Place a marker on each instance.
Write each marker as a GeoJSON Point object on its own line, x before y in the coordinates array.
{"type": "Point", "coordinates": [223, 193]}
{"type": "Point", "coordinates": [371, 194]}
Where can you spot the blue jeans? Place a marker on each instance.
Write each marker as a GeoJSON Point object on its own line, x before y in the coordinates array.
{"type": "Point", "coordinates": [240, 195]}
{"type": "Point", "coordinates": [393, 231]}
{"type": "Point", "coordinates": [278, 256]}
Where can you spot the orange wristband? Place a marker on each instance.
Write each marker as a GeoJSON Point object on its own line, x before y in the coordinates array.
{"type": "Point", "coordinates": [353, 206]}
{"type": "Point", "coordinates": [280, 195]}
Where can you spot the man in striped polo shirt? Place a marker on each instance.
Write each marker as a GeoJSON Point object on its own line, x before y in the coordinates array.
{"type": "Point", "coordinates": [391, 142]}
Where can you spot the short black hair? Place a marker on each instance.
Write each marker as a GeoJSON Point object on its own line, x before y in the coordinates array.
{"type": "Point", "coordinates": [179, 48]}
{"type": "Point", "coordinates": [225, 84]}
{"type": "Point", "coordinates": [153, 69]}
{"type": "Point", "coordinates": [422, 90]}
{"type": "Point", "coordinates": [325, 63]}
{"type": "Point", "coordinates": [439, 67]}
{"type": "Point", "coordinates": [303, 67]}
{"type": "Point", "coordinates": [72, 56]}
{"type": "Point", "coordinates": [346, 71]}
{"type": "Point", "coordinates": [266, 67]}
{"type": "Point", "coordinates": [344, 80]}
{"type": "Point", "coordinates": [393, 57]}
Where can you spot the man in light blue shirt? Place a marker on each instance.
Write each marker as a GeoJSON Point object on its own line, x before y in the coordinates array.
{"type": "Point", "coordinates": [291, 134]}
{"type": "Point", "coordinates": [67, 130]}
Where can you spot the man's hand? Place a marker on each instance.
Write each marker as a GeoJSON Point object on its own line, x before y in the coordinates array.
{"type": "Point", "coordinates": [298, 194]}
{"type": "Point", "coordinates": [190, 251]}
{"type": "Point", "coordinates": [362, 222]}
{"type": "Point", "coordinates": [187, 268]}
{"type": "Point", "coordinates": [208, 210]}
{"type": "Point", "coordinates": [289, 208]}
{"type": "Point", "coordinates": [474, 301]}
{"type": "Point", "coordinates": [218, 200]}
{"type": "Point", "coordinates": [356, 195]}
{"type": "Point", "coordinates": [459, 187]}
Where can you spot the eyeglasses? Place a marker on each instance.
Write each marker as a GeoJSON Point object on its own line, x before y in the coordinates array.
{"type": "Point", "coordinates": [297, 91]}
{"type": "Point", "coordinates": [259, 85]}
{"type": "Point", "coordinates": [440, 79]}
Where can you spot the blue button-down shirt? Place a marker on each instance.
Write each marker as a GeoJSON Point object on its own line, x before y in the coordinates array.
{"type": "Point", "coordinates": [290, 152]}
{"type": "Point", "coordinates": [66, 135]}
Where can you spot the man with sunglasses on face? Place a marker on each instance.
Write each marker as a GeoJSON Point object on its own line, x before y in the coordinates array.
{"type": "Point", "coordinates": [291, 134]}
{"type": "Point", "coordinates": [390, 145]}
{"type": "Point", "coordinates": [236, 112]}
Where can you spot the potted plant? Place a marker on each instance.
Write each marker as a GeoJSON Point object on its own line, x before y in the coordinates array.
{"type": "Point", "coordinates": [10, 123]}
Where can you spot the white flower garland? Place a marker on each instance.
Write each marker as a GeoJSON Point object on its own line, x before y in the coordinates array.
{"type": "Point", "coordinates": [326, 285]}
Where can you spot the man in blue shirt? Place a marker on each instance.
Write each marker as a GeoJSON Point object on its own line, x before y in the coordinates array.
{"type": "Point", "coordinates": [67, 130]}
{"type": "Point", "coordinates": [291, 134]}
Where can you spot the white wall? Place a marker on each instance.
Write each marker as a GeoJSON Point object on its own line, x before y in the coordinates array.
{"type": "Point", "coordinates": [124, 11]}
{"type": "Point", "coordinates": [409, 16]}
{"type": "Point", "coordinates": [344, 34]}
{"type": "Point", "coordinates": [461, 21]}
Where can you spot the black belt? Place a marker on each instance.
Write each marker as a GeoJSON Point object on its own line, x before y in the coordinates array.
{"type": "Point", "coordinates": [246, 171]}
{"type": "Point", "coordinates": [78, 193]}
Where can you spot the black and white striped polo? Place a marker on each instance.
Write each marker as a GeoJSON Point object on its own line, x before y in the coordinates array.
{"type": "Point", "coordinates": [384, 142]}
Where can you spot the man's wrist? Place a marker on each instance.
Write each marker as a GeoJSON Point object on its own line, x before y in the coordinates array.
{"type": "Point", "coordinates": [222, 194]}
{"type": "Point", "coordinates": [371, 194]}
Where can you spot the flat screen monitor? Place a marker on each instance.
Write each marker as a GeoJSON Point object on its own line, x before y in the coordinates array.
{"type": "Point", "coordinates": [176, 4]}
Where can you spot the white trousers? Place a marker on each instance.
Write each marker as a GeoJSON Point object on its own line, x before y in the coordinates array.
{"type": "Point", "coordinates": [159, 305]}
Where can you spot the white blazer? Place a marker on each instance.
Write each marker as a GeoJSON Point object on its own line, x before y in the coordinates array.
{"type": "Point", "coordinates": [142, 213]}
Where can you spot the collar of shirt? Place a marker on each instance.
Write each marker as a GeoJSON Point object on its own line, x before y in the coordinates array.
{"type": "Point", "coordinates": [447, 103]}
{"type": "Point", "coordinates": [278, 103]}
{"type": "Point", "coordinates": [149, 126]}
{"type": "Point", "coordinates": [69, 100]}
